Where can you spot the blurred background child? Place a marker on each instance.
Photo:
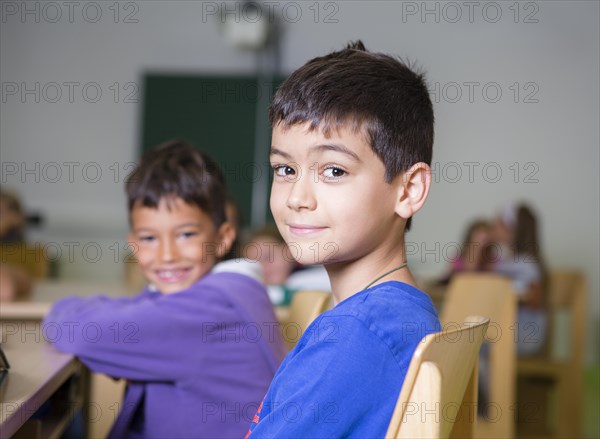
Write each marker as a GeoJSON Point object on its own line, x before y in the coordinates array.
{"type": "Point", "coordinates": [15, 281]}
{"type": "Point", "coordinates": [520, 258]}
{"type": "Point", "coordinates": [474, 251]}
{"type": "Point", "coordinates": [266, 246]}
{"type": "Point", "coordinates": [282, 274]}
{"type": "Point", "coordinates": [12, 219]}
{"type": "Point", "coordinates": [472, 257]}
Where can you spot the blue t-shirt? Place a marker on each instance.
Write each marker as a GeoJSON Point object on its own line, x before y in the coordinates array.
{"type": "Point", "coordinates": [344, 376]}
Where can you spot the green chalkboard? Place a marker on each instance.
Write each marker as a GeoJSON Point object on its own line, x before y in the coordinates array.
{"type": "Point", "coordinates": [218, 114]}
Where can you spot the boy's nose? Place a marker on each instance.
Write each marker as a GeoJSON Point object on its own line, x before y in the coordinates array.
{"type": "Point", "coordinates": [168, 251]}
{"type": "Point", "coordinates": [301, 195]}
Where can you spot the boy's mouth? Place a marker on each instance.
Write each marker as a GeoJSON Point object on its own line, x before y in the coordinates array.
{"type": "Point", "coordinates": [304, 229]}
{"type": "Point", "coordinates": [172, 275]}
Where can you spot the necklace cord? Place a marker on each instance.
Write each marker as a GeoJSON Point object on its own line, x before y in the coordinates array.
{"type": "Point", "coordinates": [399, 267]}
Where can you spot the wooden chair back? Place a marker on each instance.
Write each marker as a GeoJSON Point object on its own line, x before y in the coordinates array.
{"type": "Point", "coordinates": [567, 298]}
{"type": "Point", "coordinates": [562, 364]}
{"type": "Point", "coordinates": [304, 308]}
{"type": "Point", "coordinates": [490, 295]}
{"type": "Point", "coordinates": [439, 395]}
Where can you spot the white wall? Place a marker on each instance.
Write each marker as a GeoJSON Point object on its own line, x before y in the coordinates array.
{"type": "Point", "coordinates": [553, 140]}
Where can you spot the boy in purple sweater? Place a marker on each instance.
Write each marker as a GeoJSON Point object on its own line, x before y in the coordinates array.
{"type": "Point", "coordinates": [200, 345]}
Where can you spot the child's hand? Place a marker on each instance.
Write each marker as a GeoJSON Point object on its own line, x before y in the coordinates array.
{"type": "Point", "coordinates": [534, 297]}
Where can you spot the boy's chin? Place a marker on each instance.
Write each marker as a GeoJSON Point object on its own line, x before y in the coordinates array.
{"type": "Point", "coordinates": [165, 288]}
{"type": "Point", "coordinates": [314, 254]}
{"type": "Point", "coordinates": [307, 261]}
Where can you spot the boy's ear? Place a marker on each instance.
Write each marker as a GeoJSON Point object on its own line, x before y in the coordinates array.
{"type": "Point", "coordinates": [226, 235]}
{"type": "Point", "coordinates": [413, 189]}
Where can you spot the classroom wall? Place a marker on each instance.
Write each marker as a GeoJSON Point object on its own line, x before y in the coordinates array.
{"type": "Point", "coordinates": [516, 98]}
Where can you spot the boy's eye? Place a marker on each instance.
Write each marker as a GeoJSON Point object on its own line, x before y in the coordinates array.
{"type": "Point", "coordinates": [188, 234]}
{"type": "Point", "coordinates": [283, 170]}
{"type": "Point", "coordinates": [333, 172]}
{"type": "Point", "coordinates": [146, 238]}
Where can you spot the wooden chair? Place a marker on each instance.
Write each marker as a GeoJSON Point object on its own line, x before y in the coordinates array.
{"type": "Point", "coordinates": [441, 383]}
{"type": "Point", "coordinates": [561, 373]}
{"type": "Point", "coordinates": [32, 258]}
{"type": "Point", "coordinates": [305, 307]}
{"type": "Point", "coordinates": [490, 295]}
{"type": "Point", "coordinates": [106, 401]}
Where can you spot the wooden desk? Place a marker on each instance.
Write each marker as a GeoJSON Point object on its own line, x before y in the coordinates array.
{"type": "Point", "coordinates": [38, 373]}
{"type": "Point", "coordinates": [16, 312]}
{"type": "Point", "coordinates": [19, 322]}
{"type": "Point", "coordinates": [53, 290]}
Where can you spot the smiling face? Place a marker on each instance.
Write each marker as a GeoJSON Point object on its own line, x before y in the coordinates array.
{"type": "Point", "coordinates": [329, 197]}
{"type": "Point", "coordinates": [176, 243]}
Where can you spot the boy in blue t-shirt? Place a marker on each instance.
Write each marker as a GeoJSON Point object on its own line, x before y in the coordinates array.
{"type": "Point", "coordinates": [351, 148]}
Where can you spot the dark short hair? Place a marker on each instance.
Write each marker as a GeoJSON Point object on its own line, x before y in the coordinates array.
{"type": "Point", "coordinates": [371, 93]}
{"type": "Point", "coordinates": [178, 169]}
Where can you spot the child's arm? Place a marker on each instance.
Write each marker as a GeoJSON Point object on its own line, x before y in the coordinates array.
{"type": "Point", "coordinates": [533, 297]}
{"type": "Point", "coordinates": [142, 338]}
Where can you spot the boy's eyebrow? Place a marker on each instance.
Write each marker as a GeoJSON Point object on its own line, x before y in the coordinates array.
{"type": "Point", "coordinates": [178, 226]}
{"type": "Point", "coordinates": [275, 151]}
{"type": "Point", "coordinates": [338, 148]}
{"type": "Point", "coordinates": [323, 147]}
{"type": "Point", "coordinates": [143, 230]}
{"type": "Point", "coordinates": [181, 226]}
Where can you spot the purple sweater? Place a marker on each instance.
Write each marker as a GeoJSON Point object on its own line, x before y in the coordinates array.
{"type": "Point", "coordinates": [198, 362]}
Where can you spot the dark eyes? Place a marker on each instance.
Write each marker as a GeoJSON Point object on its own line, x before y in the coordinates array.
{"type": "Point", "coordinates": [184, 235]}
{"type": "Point", "coordinates": [333, 172]}
{"type": "Point", "coordinates": [329, 173]}
{"type": "Point", "coordinates": [283, 170]}
{"type": "Point", "coordinates": [187, 234]}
